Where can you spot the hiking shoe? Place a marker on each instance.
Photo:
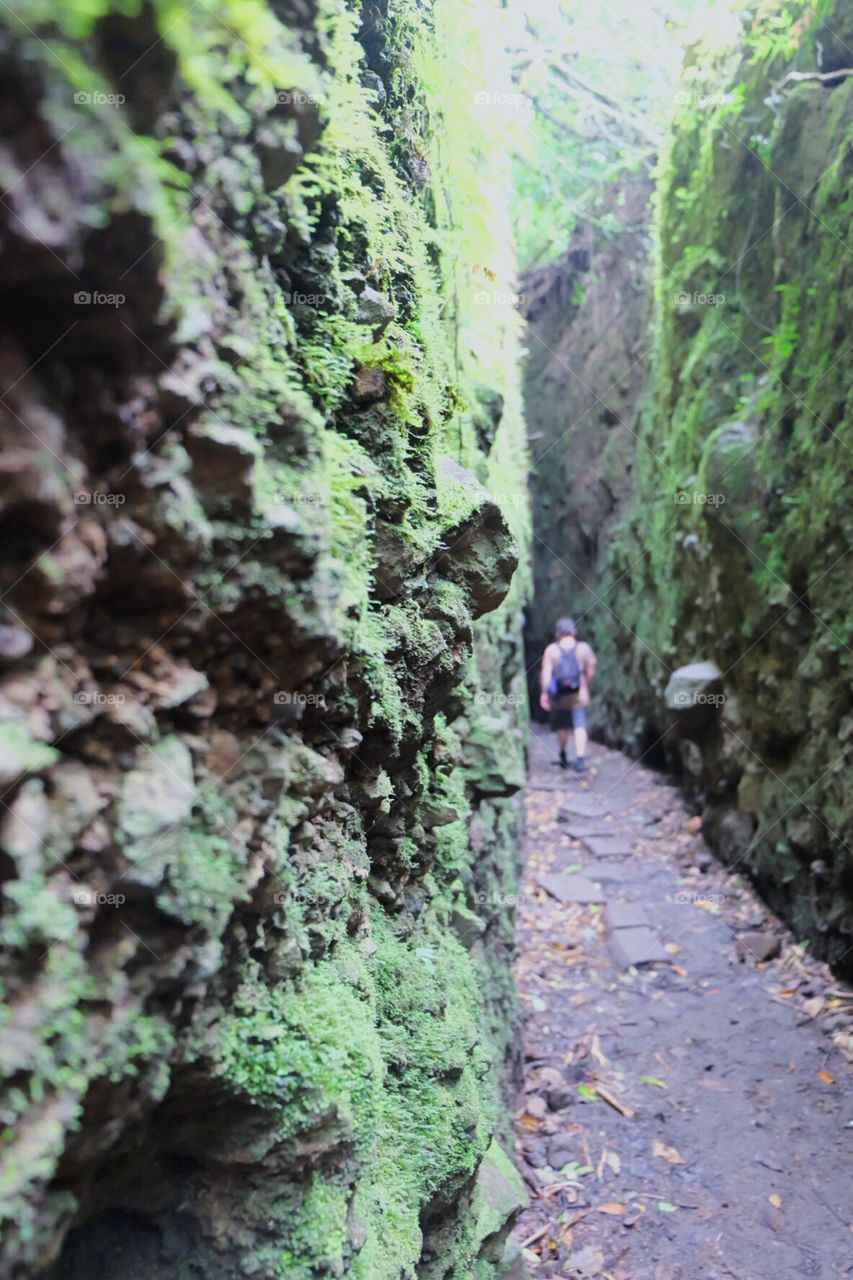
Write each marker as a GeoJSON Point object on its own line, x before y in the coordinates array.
{"type": "Point", "coordinates": [563, 762]}
{"type": "Point", "coordinates": [580, 765]}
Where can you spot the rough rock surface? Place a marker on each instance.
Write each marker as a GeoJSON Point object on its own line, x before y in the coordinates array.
{"type": "Point", "coordinates": [242, 814]}
{"type": "Point", "coordinates": [587, 361]}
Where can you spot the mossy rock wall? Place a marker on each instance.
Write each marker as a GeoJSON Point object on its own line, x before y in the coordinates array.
{"type": "Point", "coordinates": [263, 499]}
{"type": "Point", "coordinates": [586, 368]}
{"type": "Point", "coordinates": [736, 547]}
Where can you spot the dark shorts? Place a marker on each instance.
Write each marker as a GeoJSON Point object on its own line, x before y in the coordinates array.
{"type": "Point", "coordinates": [568, 718]}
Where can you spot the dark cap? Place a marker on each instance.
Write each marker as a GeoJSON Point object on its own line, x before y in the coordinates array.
{"type": "Point", "coordinates": [565, 627]}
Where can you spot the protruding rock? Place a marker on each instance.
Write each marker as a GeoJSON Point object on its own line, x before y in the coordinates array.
{"type": "Point", "coordinates": [15, 643]}
{"type": "Point", "coordinates": [480, 553]}
{"type": "Point", "coordinates": [223, 459]}
{"type": "Point", "coordinates": [375, 309]}
{"type": "Point", "coordinates": [369, 385]}
{"type": "Point", "coordinates": [499, 1195]}
{"type": "Point", "coordinates": [691, 683]}
{"type": "Point", "coordinates": [758, 946]}
{"type": "Point", "coordinates": [695, 695]}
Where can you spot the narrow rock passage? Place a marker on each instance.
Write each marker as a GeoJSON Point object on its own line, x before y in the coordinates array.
{"type": "Point", "coordinates": [687, 1118]}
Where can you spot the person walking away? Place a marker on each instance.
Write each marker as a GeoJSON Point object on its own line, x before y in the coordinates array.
{"type": "Point", "coordinates": [568, 668]}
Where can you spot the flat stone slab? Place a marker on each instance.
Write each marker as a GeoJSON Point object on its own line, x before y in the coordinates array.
{"type": "Point", "coordinates": [580, 828]}
{"type": "Point", "coordinates": [636, 946]}
{"type": "Point", "coordinates": [609, 846]}
{"type": "Point", "coordinates": [583, 806]}
{"type": "Point", "coordinates": [566, 886]}
{"type": "Point", "coordinates": [625, 915]}
{"type": "Point", "coordinates": [615, 872]}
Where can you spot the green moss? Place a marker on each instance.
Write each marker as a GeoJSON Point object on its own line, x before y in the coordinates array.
{"type": "Point", "coordinates": [21, 753]}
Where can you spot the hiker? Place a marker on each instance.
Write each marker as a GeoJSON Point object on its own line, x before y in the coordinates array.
{"type": "Point", "coordinates": [568, 666]}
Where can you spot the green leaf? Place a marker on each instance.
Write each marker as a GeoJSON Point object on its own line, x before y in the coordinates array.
{"type": "Point", "coordinates": [655, 1080]}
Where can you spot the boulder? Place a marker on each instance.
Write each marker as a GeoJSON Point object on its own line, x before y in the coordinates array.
{"type": "Point", "coordinates": [376, 310]}
{"type": "Point", "coordinates": [369, 385]}
{"type": "Point", "coordinates": [694, 694]}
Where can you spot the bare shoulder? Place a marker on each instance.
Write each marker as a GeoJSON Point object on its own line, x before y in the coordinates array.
{"type": "Point", "coordinates": [552, 651]}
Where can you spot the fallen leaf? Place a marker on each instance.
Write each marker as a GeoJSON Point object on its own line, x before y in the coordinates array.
{"type": "Point", "coordinates": [776, 1200]}
{"type": "Point", "coordinates": [612, 1206]}
{"type": "Point", "coordinates": [669, 1154]}
{"type": "Point", "coordinates": [576, 1217]}
{"type": "Point", "coordinates": [655, 1080]}
{"type": "Point", "coordinates": [826, 1076]}
{"type": "Point", "coordinates": [666, 1207]}
{"type": "Point", "coordinates": [672, 948]}
{"type": "Point", "coordinates": [774, 1219]}
{"type": "Point", "coordinates": [694, 825]}
{"type": "Point", "coordinates": [586, 1262]}
{"type": "Point", "coordinates": [814, 1006]}
{"type": "Point", "coordinates": [614, 1161]}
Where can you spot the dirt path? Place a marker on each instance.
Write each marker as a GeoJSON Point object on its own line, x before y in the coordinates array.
{"type": "Point", "coordinates": [687, 1119]}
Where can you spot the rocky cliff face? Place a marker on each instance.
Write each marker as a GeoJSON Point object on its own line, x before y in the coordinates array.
{"type": "Point", "coordinates": [732, 558]}
{"type": "Point", "coordinates": [586, 367]}
{"type": "Point", "coordinates": [262, 747]}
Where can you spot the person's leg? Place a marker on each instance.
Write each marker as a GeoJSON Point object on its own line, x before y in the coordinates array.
{"type": "Point", "coordinates": [579, 726]}
{"type": "Point", "coordinates": [561, 723]}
